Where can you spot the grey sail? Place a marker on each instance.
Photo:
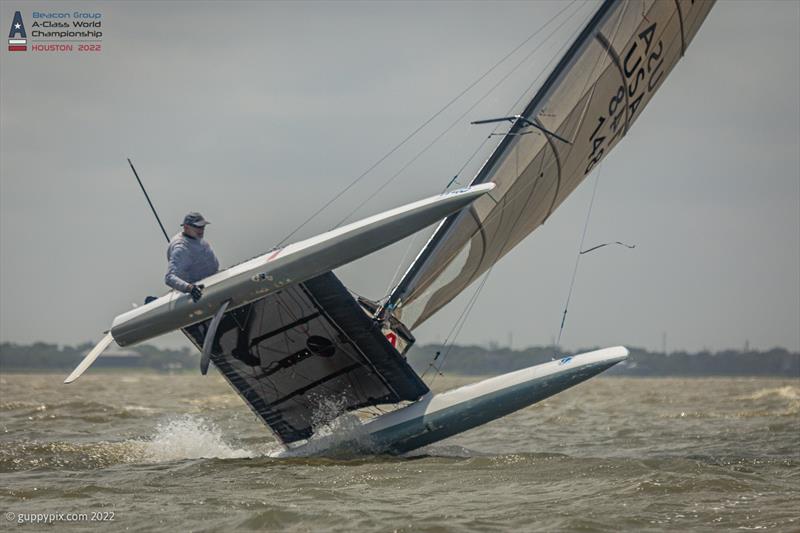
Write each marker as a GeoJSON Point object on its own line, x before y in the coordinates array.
{"type": "Point", "coordinates": [593, 96]}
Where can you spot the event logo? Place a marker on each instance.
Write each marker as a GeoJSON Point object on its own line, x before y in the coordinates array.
{"type": "Point", "coordinates": [57, 31]}
{"type": "Point", "coordinates": [17, 38]}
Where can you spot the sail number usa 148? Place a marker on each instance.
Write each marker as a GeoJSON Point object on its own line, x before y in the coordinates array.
{"type": "Point", "coordinates": [643, 69]}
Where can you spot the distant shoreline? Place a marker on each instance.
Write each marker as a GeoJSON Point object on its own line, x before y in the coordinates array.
{"type": "Point", "coordinates": [458, 360]}
{"type": "Point", "coordinates": [470, 360]}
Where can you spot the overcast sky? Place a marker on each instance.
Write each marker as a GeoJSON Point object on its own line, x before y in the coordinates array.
{"type": "Point", "coordinates": [256, 113]}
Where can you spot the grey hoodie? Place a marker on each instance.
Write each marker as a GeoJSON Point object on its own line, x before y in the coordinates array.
{"type": "Point", "coordinates": [190, 260]}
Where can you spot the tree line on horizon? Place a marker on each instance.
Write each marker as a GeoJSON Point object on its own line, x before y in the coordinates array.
{"type": "Point", "coordinates": [454, 359]}
{"type": "Point", "coordinates": [477, 360]}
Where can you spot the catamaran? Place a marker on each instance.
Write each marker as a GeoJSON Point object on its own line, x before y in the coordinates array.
{"type": "Point", "coordinates": [290, 338]}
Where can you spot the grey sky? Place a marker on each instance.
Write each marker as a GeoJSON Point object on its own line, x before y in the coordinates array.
{"type": "Point", "coordinates": [256, 113]}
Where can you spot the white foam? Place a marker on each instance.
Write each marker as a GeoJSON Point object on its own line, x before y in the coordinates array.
{"type": "Point", "coordinates": [336, 432]}
{"type": "Point", "coordinates": [787, 393]}
{"type": "Point", "coordinates": [190, 437]}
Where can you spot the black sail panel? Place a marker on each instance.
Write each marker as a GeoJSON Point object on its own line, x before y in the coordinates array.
{"type": "Point", "coordinates": [306, 354]}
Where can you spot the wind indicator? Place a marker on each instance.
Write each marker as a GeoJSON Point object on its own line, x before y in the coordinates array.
{"type": "Point", "coordinates": [593, 248]}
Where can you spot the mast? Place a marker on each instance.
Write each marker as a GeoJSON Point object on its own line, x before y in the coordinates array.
{"type": "Point", "coordinates": [487, 169]}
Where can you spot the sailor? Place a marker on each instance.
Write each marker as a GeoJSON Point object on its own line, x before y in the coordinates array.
{"type": "Point", "coordinates": [190, 257]}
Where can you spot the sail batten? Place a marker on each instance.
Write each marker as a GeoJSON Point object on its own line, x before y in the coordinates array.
{"type": "Point", "coordinates": [594, 94]}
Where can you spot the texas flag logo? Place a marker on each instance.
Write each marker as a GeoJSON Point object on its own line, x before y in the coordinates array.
{"type": "Point", "coordinates": [17, 38]}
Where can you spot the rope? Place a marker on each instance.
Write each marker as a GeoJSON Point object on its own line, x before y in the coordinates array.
{"type": "Point", "coordinates": [588, 213]}
{"type": "Point", "coordinates": [398, 270]}
{"type": "Point", "coordinates": [460, 321]}
{"type": "Point", "coordinates": [445, 262]}
{"type": "Point", "coordinates": [578, 257]}
{"type": "Point", "coordinates": [423, 125]}
{"type": "Point", "coordinates": [465, 113]}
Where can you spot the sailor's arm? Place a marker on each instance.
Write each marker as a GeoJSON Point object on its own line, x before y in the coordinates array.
{"type": "Point", "coordinates": [214, 260]}
{"type": "Point", "coordinates": [177, 258]}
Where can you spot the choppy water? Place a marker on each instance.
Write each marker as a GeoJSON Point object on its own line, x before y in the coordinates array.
{"type": "Point", "coordinates": [611, 454]}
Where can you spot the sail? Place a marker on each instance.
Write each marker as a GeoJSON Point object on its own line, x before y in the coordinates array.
{"type": "Point", "coordinates": [595, 93]}
{"type": "Point", "coordinates": [303, 355]}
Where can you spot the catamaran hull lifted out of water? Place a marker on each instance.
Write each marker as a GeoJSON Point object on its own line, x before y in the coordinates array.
{"type": "Point", "coordinates": [275, 271]}
{"type": "Point", "coordinates": [438, 416]}
{"type": "Point", "coordinates": [287, 266]}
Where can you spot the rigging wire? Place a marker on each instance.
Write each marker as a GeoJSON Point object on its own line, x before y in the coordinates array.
{"type": "Point", "coordinates": [472, 156]}
{"type": "Point", "coordinates": [454, 179]}
{"type": "Point", "coordinates": [396, 276]}
{"type": "Point", "coordinates": [588, 213]}
{"type": "Point", "coordinates": [557, 54]}
{"type": "Point", "coordinates": [423, 125]}
{"type": "Point", "coordinates": [578, 257]}
{"type": "Point", "coordinates": [468, 308]}
{"type": "Point", "coordinates": [459, 324]}
{"type": "Point", "coordinates": [467, 162]}
{"type": "Point", "coordinates": [465, 113]}
{"type": "Point", "coordinates": [585, 226]}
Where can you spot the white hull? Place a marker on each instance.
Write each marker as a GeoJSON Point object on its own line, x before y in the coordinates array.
{"type": "Point", "coordinates": [287, 266]}
{"type": "Point", "coordinates": [438, 416]}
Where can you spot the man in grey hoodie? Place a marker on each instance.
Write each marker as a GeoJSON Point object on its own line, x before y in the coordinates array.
{"type": "Point", "coordinates": [190, 257]}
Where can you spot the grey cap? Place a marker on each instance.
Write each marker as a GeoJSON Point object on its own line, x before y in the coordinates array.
{"type": "Point", "coordinates": [195, 219]}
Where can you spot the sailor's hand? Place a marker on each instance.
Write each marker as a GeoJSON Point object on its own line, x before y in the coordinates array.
{"type": "Point", "coordinates": [196, 292]}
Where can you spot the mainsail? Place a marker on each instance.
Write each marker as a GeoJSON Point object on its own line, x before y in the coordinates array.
{"type": "Point", "coordinates": [593, 96]}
